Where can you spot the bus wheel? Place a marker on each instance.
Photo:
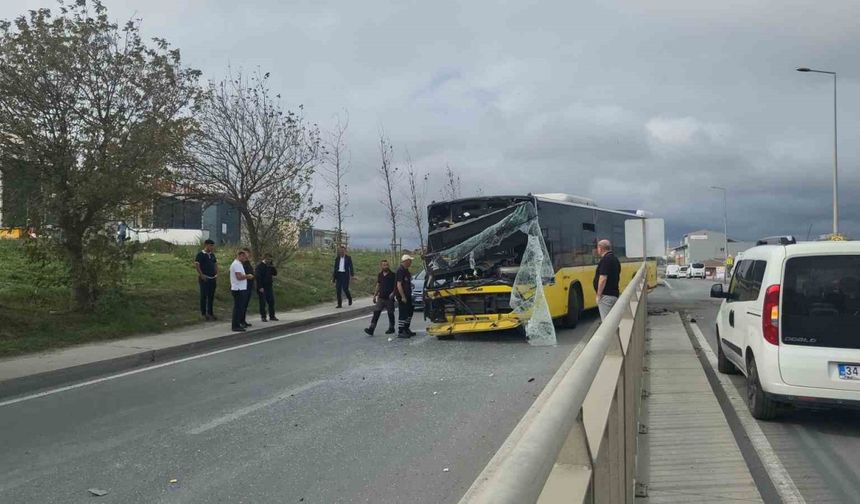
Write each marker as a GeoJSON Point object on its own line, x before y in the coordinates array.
{"type": "Point", "coordinates": [574, 307]}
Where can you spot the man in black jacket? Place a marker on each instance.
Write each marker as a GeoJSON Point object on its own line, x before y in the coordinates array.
{"type": "Point", "coordinates": [383, 298]}
{"type": "Point", "coordinates": [264, 274]}
{"type": "Point", "coordinates": [207, 271]}
{"type": "Point", "coordinates": [341, 275]}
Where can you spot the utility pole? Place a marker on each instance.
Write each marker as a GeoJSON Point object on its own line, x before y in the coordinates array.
{"type": "Point", "coordinates": [725, 229]}
{"type": "Point", "coordinates": [835, 151]}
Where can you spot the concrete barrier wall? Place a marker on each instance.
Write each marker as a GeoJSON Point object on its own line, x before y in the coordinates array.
{"type": "Point", "coordinates": [581, 444]}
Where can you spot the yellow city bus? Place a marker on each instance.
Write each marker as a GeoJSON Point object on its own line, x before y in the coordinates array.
{"type": "Point", "coordinates": [475, 247]}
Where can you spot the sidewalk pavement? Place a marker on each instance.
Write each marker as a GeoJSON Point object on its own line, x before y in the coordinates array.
{"type": "Point", "coordinates": [692, 455]}
{"type": "Point", "coordinates": [29, 373]}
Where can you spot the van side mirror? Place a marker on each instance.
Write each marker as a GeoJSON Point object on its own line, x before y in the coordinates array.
{"type": "Point", "coordinates": [718, 292]}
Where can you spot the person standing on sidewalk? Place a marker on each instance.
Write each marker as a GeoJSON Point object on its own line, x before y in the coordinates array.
{"type": "Point", "coordinates": [264, 275]}
{"type": "Point", "coordinates": [249, 274]}
{"type": "Point", "coordinates": [207, 271]}
{"type": "Point", "coordinates": [239, 289]}
{"type": "Point", "coordinates": [606, 278]}
{"type": "Point", "coordinates": [404, 297]}
{"type": "Point", "coordinates": [383, 298]}
{"type": "Point", "coordinates": [341, 275]}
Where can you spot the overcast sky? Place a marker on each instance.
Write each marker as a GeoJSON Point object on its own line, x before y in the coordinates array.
{"type": "Point", "coordinates": [635, 104]}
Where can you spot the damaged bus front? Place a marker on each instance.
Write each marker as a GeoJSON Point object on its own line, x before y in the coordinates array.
{"type": "Point", "coordinates": [486, 265]}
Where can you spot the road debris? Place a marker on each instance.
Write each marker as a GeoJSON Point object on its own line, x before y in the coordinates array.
{"type": "Point", "coordinates": [98, 492]}
{"type": "Point", "coordinates": [531, 380]}
{"type": "Point", "coordinates": [174, 481]}
{"type": "Point", "coordinates": [445, 470]}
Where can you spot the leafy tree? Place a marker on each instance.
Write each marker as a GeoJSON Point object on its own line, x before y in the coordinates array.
{"type": "Point", "coordinates": [94, 113]}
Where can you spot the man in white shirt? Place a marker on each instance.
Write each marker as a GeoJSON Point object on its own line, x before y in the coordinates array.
{"type": "Point", "coordinates": [239, 288]}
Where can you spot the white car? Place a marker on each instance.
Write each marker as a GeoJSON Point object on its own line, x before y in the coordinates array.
{"type": "Point", "coordinates": [697, 270]}
{"type": "Point", "coordinates": [789, 322]}
{"type": "Point", "coordinates": [672, 270]}
{"type": "Point", "coordinates": [682, 272]}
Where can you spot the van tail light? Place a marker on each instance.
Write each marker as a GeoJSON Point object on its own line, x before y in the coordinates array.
{"type": "Point", "coordinates": [770, 315]}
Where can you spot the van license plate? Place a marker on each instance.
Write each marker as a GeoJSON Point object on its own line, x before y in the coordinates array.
{"type": "Point", "coordinates": [849, 371]}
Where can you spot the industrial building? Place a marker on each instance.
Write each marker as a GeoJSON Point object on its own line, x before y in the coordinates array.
{"type": "Point", "coordinates": [705, 245]}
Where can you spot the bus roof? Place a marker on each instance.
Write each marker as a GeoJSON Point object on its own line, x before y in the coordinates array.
{"type": "Point", "coordinates": [538, 197]}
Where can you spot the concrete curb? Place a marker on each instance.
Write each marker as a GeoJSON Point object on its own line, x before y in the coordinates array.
{"type": "Point", "coordinates": [59, 377]}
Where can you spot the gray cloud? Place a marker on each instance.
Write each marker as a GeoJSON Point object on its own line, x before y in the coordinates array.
{"type": "Point", "coordinates": [634, 104]}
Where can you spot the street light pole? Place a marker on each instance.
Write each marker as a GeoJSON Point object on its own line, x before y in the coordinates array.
{"type": "Point", "coordinates": [725, 228]}
{"type": "Point", "coordinates": [835, 151]}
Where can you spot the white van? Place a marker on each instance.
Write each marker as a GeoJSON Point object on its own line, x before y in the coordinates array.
{"type": "Point", "coordinates": [790, 322]}
{"type": "Point", "coordinates": [697, 270]}
{"type": "Point", "coordinates": [672, 270]}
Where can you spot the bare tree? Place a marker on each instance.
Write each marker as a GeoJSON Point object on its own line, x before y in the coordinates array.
{"type": "Point", "coordinates": [417, 194]}
{"type": "Point", "coordinates": [249, 152]}
{"type": "Point", "coordinates": [388, 172]}
{"type": "Point", "coordinates": [451, 188]}
{"type": "Point", "coordinates": [337, 163]}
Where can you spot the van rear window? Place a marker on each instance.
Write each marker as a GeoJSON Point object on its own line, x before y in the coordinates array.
{"type": "Point", "coordinates": [821, 301]}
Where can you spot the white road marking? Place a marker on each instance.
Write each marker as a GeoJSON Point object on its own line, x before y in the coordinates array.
{"type": "Point", "coordinates": [239, 413]}
{"type": "Point", "coordinates": [785, 486]}
{"type": "Point", "coordinates": [667, 284]}
{"type": "Point", "coordinates": [172, 363]}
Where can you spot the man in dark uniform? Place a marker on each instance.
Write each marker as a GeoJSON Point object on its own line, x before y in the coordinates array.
{"type": "Point", "coordinates": [249, 271]}
{"type": "Point", "coordinates": [383, 298]}
{"type": "Point", "coordinates": [264, 276]}
{"type": "Point", "coordinates": [606, 278]}
{"type": "Point", "coordinates": [404, 297]}
{"type": "Point", "coordinates": [341, 274]}
{"type": "Point", "coordinates": [207, 270]}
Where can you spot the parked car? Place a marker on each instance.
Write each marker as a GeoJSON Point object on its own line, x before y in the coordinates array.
{"type": "Point", "coordinates": [697, 270]}
{"type": "Point", "coordinates": [789, 323]}
{"type": "Point", "coordinates": [683, 272]}
{"type": "Point", "coordinates": [672, 270]}
{"type": "Point", "coordinates": [418, 290]}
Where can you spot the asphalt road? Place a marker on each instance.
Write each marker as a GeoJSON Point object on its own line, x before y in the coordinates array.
{"type": "Point", "coordinates": [819, 449]}
{"type": "Point", "coordinates": [327, 416]}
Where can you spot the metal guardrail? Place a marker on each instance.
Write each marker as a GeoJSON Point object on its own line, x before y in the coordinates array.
{"type": "Point", "coordinates": [579, 444]}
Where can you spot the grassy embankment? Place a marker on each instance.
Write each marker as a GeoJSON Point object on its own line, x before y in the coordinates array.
{"type": "Point", "coordinates": [161, 294]}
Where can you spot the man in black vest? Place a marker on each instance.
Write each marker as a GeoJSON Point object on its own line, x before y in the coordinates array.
{"type": "Point", "coordinates": [606, 278]}
{"type": "Point", "coordinates": [264, 274]}
{"type": "Point", "coordinates": [403, 293]}
{"type": "Point", "coordinates": [342, 273]}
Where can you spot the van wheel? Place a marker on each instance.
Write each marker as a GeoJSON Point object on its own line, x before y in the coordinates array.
{"type": "Point", "coordinates": [724, 365]}
{"type": "Point", "coordinates": [574, 307]}
{"type": "Point", "coordinates": [760, 405]}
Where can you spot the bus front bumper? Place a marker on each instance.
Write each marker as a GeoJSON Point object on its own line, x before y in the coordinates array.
{"type": "Point", "coordinates": [471, 324]}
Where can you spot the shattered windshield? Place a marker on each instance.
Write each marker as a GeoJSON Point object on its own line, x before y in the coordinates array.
{"type": "Point", "coordinates": [502, 246]}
